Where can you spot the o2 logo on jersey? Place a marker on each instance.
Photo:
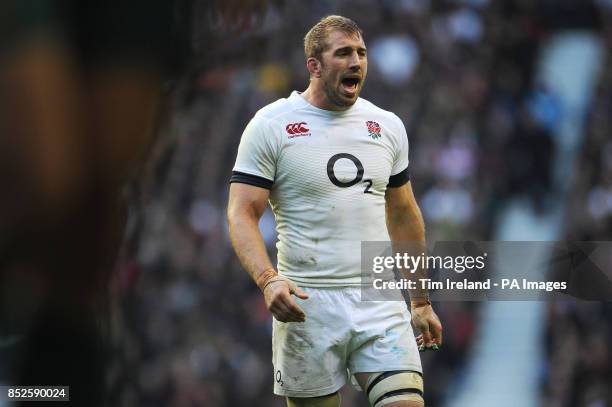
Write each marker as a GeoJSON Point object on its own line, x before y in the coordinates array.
{"type": "Point", "coordinates": [358, 177]}
{"type": "Point", "coordinates": [278, 376]}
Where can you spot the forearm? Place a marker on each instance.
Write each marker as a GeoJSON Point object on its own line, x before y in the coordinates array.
{"type": "Point", "coordinates": [407, 232]}
{"type": "Point", "coordinates": [244, 209]}
{"type": "Point", "coordinates": [249, 245]}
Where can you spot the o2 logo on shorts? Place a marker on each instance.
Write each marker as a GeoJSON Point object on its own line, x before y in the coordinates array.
{"type": "Point", "coordinates": [358, 176]}
{"type": "Point", "coordinates": [279, 378]}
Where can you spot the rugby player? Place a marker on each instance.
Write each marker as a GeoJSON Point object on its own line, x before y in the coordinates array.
{"type": "Point", "coordinates": [334, 168]}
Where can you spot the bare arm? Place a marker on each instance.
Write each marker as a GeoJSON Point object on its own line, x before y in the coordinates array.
{"type": "Point", "coordinates": [246, 205]}
{"type": "Point", "coordinates": [407, 231]}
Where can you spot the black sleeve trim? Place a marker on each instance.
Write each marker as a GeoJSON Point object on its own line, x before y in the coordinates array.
{"type": "Point", "coordinates": [399, 179]}
{"type": "Point", "coordinates": [244, 178]}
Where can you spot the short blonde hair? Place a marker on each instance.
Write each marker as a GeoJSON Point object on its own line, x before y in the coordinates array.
{"type": "Point", "coordinates": [315, 41]}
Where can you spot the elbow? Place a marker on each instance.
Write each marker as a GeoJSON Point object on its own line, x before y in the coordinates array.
{"type": "Point", "coordinates": [418, 225]}
{"type": "Point", "coordinates": [233, 219]}
{"type": "Point", "coordinates": [406, 227]}
{"type": "Point", "coordinates": [421, 230]}
{"type": "Point", "coordinates": [233, 215]}
{"type": "Point", "coordinates": [229, 213]}
{"type": "Point", "coordinates": [239, 215]}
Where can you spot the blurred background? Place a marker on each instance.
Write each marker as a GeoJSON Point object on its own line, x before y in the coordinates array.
{"type": "Point", "coordinates": [508, 108]}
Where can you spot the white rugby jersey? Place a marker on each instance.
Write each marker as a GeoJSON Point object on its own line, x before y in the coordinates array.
{"type": "Point", "coordinates": [327, 173]}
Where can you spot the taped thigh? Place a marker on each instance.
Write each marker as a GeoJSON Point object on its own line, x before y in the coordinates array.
{"type": "Point", "coordinates": [399, 385]}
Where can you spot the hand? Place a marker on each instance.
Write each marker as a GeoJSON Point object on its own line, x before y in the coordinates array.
{"type": "Point", "coordinates": [280, 303]}
{"type": "Point", "coordinates": [427, 322]}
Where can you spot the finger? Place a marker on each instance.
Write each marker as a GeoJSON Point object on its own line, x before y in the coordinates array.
{"type": "Point", "coordinates": [278, 314]}
{"type": "Point", "coordinates": [426, 337]}
{"type": "Point", "coordinates": [286, 317]}
{"type": "Point", "coordinates": [282, 313]}
{"type": "Point", "coordinates": [298, 292]}
{"type": "Point", "coordinates": [420, 343]}
{"type": "Point", "coordinates": [291, 309]}
{"type": "Point", "coordinates": [436, 331]}
{"type": "Point", "coordinates": [295, 309]}
{"type": "Point", "coordinates": [279, 317]}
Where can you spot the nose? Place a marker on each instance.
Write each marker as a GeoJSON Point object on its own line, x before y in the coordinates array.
{"type": "Point", "coordinates": [354, 60]}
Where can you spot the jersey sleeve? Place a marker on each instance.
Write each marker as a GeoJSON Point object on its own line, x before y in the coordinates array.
{"type": "Point", "coordinates": [256, 159]}
{"type": "Point", "coordinates": [399, 172]}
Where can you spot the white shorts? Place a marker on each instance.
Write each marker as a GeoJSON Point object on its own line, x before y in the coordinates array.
{"type": "Point", "coordinates": [341, 332]}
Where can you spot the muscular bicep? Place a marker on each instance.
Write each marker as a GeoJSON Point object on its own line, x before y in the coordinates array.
{"type": "Point", "coordinates": [246, 199]}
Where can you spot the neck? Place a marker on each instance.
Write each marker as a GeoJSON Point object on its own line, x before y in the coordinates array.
{"type": "Point", "coordinates": [317, 97]}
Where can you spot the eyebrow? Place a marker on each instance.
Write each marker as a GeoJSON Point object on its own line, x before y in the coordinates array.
{"type": "Point", "coordinates": [349, 48]}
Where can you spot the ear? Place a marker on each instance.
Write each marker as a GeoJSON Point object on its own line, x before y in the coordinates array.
{"type": "Point", "coordinates": [314, 67]}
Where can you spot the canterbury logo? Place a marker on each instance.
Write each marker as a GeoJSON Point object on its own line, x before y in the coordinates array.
{"type": "Point", "coordinates": [297, 128]}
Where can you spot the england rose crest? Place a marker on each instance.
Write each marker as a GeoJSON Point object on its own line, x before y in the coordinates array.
{"type": "Point", "coordinates": [373, 129]}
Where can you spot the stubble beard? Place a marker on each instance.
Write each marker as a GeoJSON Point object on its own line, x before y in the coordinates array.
{"type": "Point", "coordinates": [335, 97]}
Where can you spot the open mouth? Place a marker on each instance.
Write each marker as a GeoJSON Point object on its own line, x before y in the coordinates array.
{"type": "Point", "coordinates": [350, 85]}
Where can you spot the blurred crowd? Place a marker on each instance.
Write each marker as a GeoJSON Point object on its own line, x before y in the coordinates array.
{"type": "Point", "coordinates": [578, 370]}
{"type": "Point", "coordinates": [189, 328]}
